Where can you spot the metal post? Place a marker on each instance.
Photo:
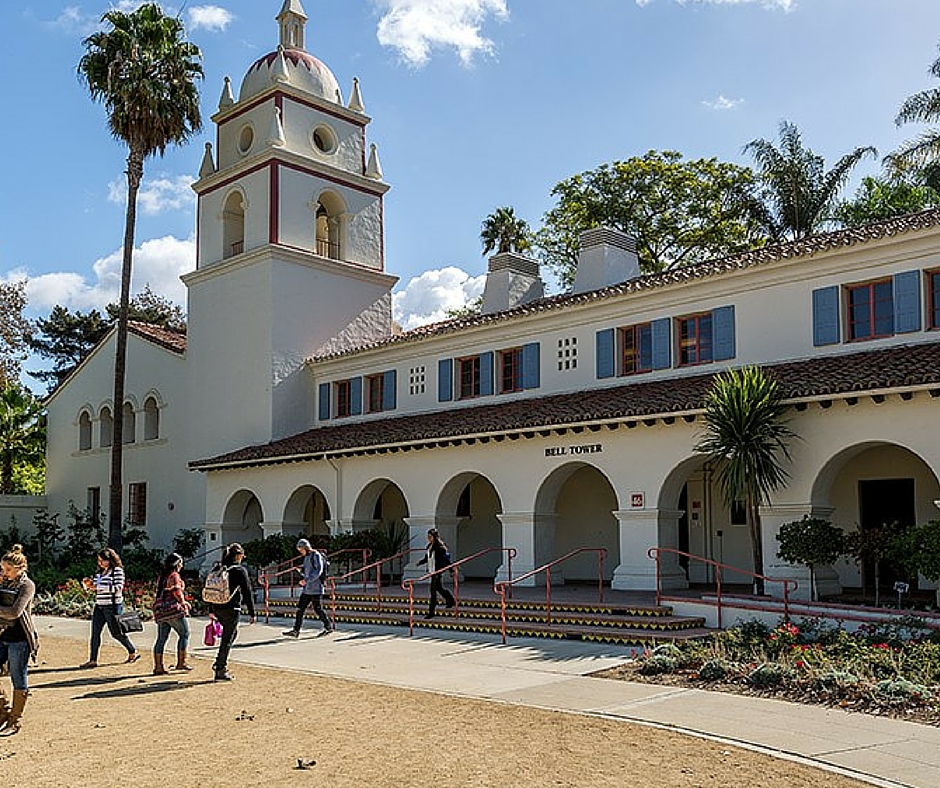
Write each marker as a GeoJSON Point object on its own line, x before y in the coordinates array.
{"type": "Point", "coordinates": [600, 576]}
{"type": "Point", "coordinates": [718, 578]}
{"type": "Point", "coordinates": [548, 597]}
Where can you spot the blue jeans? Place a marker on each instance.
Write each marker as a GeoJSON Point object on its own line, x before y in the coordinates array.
{"type": "Point", "coordinates": [180, 626]}
{"type": "Point", "coordinates": [17, 654]}
{"type": "Point", "coordinates": [107, 614]}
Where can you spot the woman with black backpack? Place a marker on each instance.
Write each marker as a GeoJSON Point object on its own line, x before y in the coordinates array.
{"type": "Point", "coordinates": [239, 586]}
{"type": "Point", "coordinates": [436, 558]}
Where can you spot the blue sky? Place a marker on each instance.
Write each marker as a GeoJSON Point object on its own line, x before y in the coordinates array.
{"type": "Point", "coordinates": [475, 104]}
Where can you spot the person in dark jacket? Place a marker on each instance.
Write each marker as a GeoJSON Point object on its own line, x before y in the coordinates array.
{"type": "Point", "coordinates": [313, 568]}
{"type": "Point", "coordinates": [240, 586]}
{"type": "Point", "coordinates": [436, 558]}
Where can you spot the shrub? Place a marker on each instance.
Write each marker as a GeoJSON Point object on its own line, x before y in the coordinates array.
{"type": "Point", "coordinates": [657, 664]}
{"type": "Point", "coordinates": [770, 675]}
{"type": "Point", "coordinates": [901, 691]}
{"type": "Point", "coordinates": [835, 680]}
{"type": "Point", "coordinates": [716, 670]}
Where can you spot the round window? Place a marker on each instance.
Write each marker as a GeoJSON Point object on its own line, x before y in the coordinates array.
{"type": "Point", "coordinates": [245, 138]}
{"type": "Point", "coordinates": [324, 140]}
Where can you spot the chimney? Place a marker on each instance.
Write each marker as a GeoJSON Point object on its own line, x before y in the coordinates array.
{"type": "Point", "coordinates": [511, 280]}
{"type": "Point", "coordinates": [608, 257]}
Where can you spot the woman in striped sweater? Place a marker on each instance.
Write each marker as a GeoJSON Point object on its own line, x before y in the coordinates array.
{"type": "Point", "coordinates": [108, 586]}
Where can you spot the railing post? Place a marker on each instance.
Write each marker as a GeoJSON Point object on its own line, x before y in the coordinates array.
{"type": "Point", "coordinates": [456, 576]}
{"type": "Point", "coordinates": [600, 575]}
{"type": "Point", "coordinates": [501, 589]}
{"type": "Point", "coordinates": [786, 600]}
{"type": "Point", "coordinates": [548, 597]}
{"type": "Point", "coordinates": [378, 582]}
{"type": "Point", "coordinates": [511, 552]}
{"type": "Point", "coordinates": [411, 608]}
{"type": "Point", "coordinates": [718, 579]}
{"type": "Point", "coordinates": [267, 598]}
{"type": "Point", "coordinates": [332, 583]}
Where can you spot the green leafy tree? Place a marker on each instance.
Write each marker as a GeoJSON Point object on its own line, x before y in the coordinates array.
{"type": "Point", "coordinates": [22, 433]}
{"type": "Point", "coordinates": [746, 436]}
{"type": "Point", "coordinates": [798, 192]}
{"type": "Point", "coordinates": [144, 71]}
{"type": "Point", "coordinates": [679, 211]}
{"type": "Point", "coordinates": [14, 330]}
{"type": "Point", "coordinates": [470, 309]}
{"type": "Point", "coordinates": [873, 545]}
{"type": "Point", "coordinates": [922, 107]}
{"type": "Point", "coordinates": [883, 197]}
{"type": "Point", "coordinates": [917, 548]}
{"type": "Point", "coordinates": [812, 542]}
{"type": "Point", "coordinates": [66, 338]}
{"type": "Point", "coordinates": [150, 307]}
{"type": "Point", "coordinates": [503, 231]}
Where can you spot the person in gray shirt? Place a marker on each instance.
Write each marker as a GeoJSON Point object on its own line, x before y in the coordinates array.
{"type": "Point", "coordinates": [313, 570]}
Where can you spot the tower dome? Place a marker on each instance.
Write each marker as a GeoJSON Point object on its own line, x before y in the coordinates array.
{"type": "Point", "coordinates": [291, 64]}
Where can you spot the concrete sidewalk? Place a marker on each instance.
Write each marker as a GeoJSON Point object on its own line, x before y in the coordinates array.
{"type": "Point", "coordinates": [551, 674]}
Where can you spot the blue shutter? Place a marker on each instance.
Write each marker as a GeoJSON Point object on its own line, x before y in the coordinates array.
{"type": "Point", "coordinates": [907, 302]}
{"type": "Point", "coordinates": [486, 374]}
{"type": "Point", "coordinates": [826, 316]}
{"type": "Point", "coordinates": [661, 331]}
{"type": "Point", "coordinates": [324, 401]}
{"type": "Point", "coordinates": [723, 333]}
{"type": "Point", "coordinates": [445, 380]}
{"type": "Point", "coordinates": [355, 396]}
{"type": "Point", "coordinates": [605, 354]}
{"type": "Point", "coordinates": [389, 394]}
{"type": "Point", "coordinates": [530, 366]}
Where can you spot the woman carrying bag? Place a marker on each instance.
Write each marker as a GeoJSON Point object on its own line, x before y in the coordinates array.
{"type": "Point", "coordinates": [108, 586]}
{"type": "Point", "coordinates": [170, 612]}
{"type": "Point", "coordinates": [18, 638]}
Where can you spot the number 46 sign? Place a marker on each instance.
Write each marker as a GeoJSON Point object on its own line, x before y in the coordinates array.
{"type": "Point", "coordinates": [637, 500]}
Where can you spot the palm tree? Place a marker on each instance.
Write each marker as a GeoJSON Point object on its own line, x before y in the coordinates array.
{"type": "Point", "coordinates": [505, 232]}
{"type": "Point", "coordinates": [922, 107]}
{"type": "Point", "coordinates": [745, 436]}
{"type": "Point", "coordinates": [144, 71]}
{"type": "Point", "coordinates": [22, 433]}
{"type": "Point", "coordinates": [798, 191]}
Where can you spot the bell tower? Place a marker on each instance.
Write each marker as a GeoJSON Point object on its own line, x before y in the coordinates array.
{"type": "Point", "coordinates": [290, 244]}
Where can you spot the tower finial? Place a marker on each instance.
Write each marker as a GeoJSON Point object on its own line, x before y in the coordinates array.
{"type": "Point", "coordinates": [293, 22]}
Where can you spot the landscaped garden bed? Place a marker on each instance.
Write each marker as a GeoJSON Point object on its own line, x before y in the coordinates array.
{"type": "Point", "coordinates": [881, 669]}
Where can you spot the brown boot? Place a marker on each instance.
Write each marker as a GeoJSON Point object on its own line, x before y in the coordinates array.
{"type": "Point", "coordinates": [158, 669]}
{"type": "Point", "coordinates": [4, 709]}
{"type": "Point", "coordinates": [13, 719]}
{"type": "Point", "coordinates": [181, 663]}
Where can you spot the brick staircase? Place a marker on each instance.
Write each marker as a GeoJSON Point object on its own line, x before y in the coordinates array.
{"type": "Point", "coordinates": [621, 622]}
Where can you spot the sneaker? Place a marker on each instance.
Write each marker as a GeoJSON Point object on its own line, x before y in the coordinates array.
{"type": "Point", "coordinates": [450, 606]}
{"type": "Point", "coordinates": [224, 676]}
{"type": "Point", "coordinates": [291, 633]}
{"type": "Point", "coordinates": [323, 632]}
{"type": "Point", "coordinates": [429, 615]}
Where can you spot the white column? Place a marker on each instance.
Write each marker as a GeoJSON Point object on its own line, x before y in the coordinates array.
{"type": "Point", "coordinates": [771, 518]}
{"type": "Point", "coordinates": [641, 530]}
{"type": "Point", "coordinates": [533, 538]}
{"type": "Point", "coordinates": [418, 526]}
{"type": "Point", "coordinates": [271, 529]}
{"type": "Point", "coordinates": [211, 547]}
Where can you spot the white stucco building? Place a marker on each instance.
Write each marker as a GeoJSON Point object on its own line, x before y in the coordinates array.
{"type": "Point", "coordinates": [545, 424]}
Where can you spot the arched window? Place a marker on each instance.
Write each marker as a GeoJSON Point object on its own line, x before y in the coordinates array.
{"type": "Point", "coordinates": [106, 428]}
{"type": "Point", "coordinates": [84, 431]}
{"type": "Point", "coordinates": [151, 420]}
{"type": "Point", "coordinates": [329, 226]}
{"type": "Point", "coordinates": [130, 423]}
{"type": "Point", "coordinates": [233, 225]}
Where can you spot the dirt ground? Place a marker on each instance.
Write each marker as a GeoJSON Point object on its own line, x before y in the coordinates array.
{"type": "Point", "coordinates": [119, 726]}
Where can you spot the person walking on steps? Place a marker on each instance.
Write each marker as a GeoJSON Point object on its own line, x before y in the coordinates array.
{"type": "Point", "coordinates": [437, 557]}
{"type": "Point", "coordinates": [170, 612]}
{"type": "Point", "coordinates": [313, 573]}
{"type": "Point", "coordinates": [108, 586]}
{"type": "Point", "coordinates": [18, 638]}
{"type": "Point", "coordinates": [228, 613]}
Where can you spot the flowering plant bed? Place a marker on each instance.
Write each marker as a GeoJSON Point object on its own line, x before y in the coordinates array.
{"type": "Point", "coordinates": [70, 599]}
{"type": "Point", "coordinates": [880, 669]}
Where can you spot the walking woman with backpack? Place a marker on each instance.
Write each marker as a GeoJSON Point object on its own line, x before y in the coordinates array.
{"type": "Point", "coordinates": [171, 611]}
{"type": "Point", "coordinates": [108, 585]}
{"type": "Point", "coordinates": [18, 638]}
{"type": "Point", "coordinates": [227, 588]}
{"type": "Point", "coordinates": [437, 557]}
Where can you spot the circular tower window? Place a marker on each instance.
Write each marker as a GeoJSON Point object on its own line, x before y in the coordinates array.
{"type": "Point", "coordinates": [245, 139]}
{"type": "Point", "coordinates": [324, 140]}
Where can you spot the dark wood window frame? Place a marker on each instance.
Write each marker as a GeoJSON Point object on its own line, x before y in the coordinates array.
{"type": "Point", "coordinates": [375, 393]}
{"type": "Point", "coordinates": [343, 398]}
{"type": "Point", "coordinates": [694, 346]}
{"type": "Point", "coordinates": [510, 370]}
{"type": "Point", "coordinates": [933, 299]}
{"type": "Point", "coordinates": [630, 338]}
{"type": "Point", "coordinates": [468, 377]}
{"type": "Point", "coordinates": [871, 317]}
{"type": "Point", "coordinates": [137, 503]}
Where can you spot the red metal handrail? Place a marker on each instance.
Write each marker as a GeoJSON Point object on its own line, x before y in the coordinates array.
{"type": "Point", "coordinates": [506, 585]}
{"type": "Point", "coordinates": [655, 552]}
{"type": "Point", "coordinates": [364, 570]}
{"type": "Point", "coordinates": [409, 585]}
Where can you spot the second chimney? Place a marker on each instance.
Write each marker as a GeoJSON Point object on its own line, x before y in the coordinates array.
{"type": "Point", "coordinates": [511, 280]}
{"type": "Point", "coordinates": [607, 257]}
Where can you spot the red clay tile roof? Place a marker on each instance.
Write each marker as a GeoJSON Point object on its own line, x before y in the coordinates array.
{"type": "Point", "coordinates": [804, 247]}
{"type": "Point", "coordinates": [837, 375]}
{"type": "Point", "coordinates": [173, 339]}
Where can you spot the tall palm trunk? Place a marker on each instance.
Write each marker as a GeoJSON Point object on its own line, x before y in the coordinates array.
{"type": "Point", "coordinates": [135, 173]}
{"type": "Point", "coordinates": [757, 547]}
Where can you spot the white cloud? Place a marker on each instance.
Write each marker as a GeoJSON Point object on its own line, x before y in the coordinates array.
{"type": "Point", "coordinates": [426, 298]}
{"type": "Point", "coordinates": [416, 27]}
{"type": "Point", "coordinates": [783, 5]}
{"type": "Point", "coordinates": [162, 193]}
{"type": "Point", "coordinates": [73, 21]}
{"type": "Point", "coordinates": [722, 103]}
{"type": "Point", "coordinates": [158, 262]}
{"type": "Point", "coordinates": [209, 17]}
